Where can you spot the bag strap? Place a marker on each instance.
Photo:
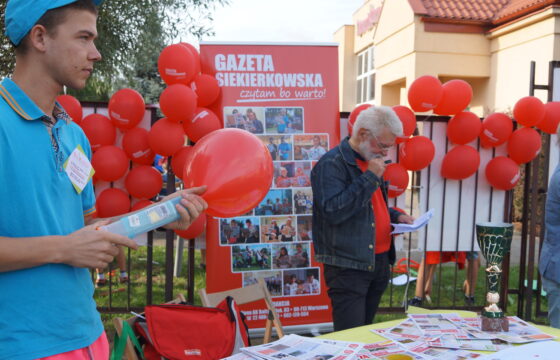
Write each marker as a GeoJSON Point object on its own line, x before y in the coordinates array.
{"type": "Point", "coordinates": [120, 342]}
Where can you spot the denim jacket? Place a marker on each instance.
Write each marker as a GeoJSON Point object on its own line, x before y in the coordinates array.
{"type": "Point", "coordinates": [343, 218]}
{"type": "Point", "coordinates": [549, 263]}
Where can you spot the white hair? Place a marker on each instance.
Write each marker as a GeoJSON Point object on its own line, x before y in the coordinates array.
{"type": "Point", "coordinates": [376, 118]}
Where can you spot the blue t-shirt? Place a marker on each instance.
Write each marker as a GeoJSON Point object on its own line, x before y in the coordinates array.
{"type": "Point", "coordinates": [48, 309]}
{"type": "Point", "coordinates": [284, 149]}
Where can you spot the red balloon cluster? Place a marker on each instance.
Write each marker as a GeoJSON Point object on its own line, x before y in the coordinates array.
{"type": "Point", "coordinates": [457, 95]}
{"type": "Point", "coordinates": [143, 182]}
{"type": "Point", "coordinates": [496, 129]}
{"type": "Point", "coordinates": [460, 162]}
{"type": "Point", "coordinates": [112, 202]}
{"type": "Point", "coordinates": [463, 128]}
{"type": "Point", "coordinates": [126, 108]}
{"type": "Point", "coordinates": [220, 161]}
{"type": "Point", "coordinates": [203, 122]}
{"type": "Point", "coordinates": [166, 137]}
{"type": "Point", "coordinates": [99, 130]}
{"type": "Point", "coordinates": [528, 111]}
{"type": "Point", "coordinates": [524, 145]}
{"type": "Point", "coordinates": [137, 147]}
{"type": "Point", "coordinates": [398, 178]}
{"type": "Point", "coordinates": [502, 173]}
{"type": "Point", "coordinates": [425, 93]}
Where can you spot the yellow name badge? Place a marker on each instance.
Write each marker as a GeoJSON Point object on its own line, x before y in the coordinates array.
{"type": "Point", "coordinates": [79, 169]}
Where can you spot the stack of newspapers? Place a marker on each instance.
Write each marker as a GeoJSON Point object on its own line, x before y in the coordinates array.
{"type": "Point", "coordinates": [419, 337]}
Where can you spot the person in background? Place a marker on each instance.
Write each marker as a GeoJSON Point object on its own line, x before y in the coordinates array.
{"type": "Point", "coordinates": [549, 266]}
{"type": "Point", "coordinates": [284, 149]}
{"type": "Point", "coordinates": [316, 151]}
{"type": "Point", "coordinates": [272, 148]}
{"type": "Point", "coordinates": [254, 125]}
{"type": "Point", "coordinates": [48, 237]}
{"type": "Point", "coordinates": [351, 219]}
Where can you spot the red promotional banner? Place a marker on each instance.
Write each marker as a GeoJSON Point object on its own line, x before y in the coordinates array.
{"type": "Point", "coordinates": [287, 95]}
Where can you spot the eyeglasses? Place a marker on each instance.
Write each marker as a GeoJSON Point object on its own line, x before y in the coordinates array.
{"type": "Point", "coordinates": [380, 145]}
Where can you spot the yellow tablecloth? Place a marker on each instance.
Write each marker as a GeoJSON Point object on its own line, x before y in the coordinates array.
{"type": "Point", "coordinates": [363, 333]}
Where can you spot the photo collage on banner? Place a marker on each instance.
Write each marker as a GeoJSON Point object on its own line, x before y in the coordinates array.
{"type": "Point", "coordinates": [273, 241]}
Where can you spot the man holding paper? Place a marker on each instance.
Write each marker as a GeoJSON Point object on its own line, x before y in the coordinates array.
{"type": "Point", "coordinates": [351, 219]}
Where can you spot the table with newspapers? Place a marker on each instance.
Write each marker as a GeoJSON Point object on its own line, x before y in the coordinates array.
{"type": "Point", "coordinates": [423, 335]}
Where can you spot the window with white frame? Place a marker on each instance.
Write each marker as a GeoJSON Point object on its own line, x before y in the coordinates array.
{"type": "Point", "coordinates": [365, 81]}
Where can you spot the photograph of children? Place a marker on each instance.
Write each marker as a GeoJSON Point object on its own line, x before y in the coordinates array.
{"type": "Point", "coordinates": [302, 282]}
{"type": "Point", "coordinates": [239, 230]}
{"type": "Point", "coordinates": [250, 257]}
{"type": "Point", "coordinates": [288, 256]}
{"type": "Point", "coordinates": [303, 201]}
{"type": "Point", "coordinates": [284, 120]}
{"type": "Point", "coordinates": [310, 146]}
{"type": "Point", "coordinates": [245, 118]}
{"type": "Point", "coordinates": [273, 280]}
{"type": "Point", "coordinates": [276, 202]}
{"type": "Point", "coordinates": [304, 228]}
{"type": "Point", "coordinates": [278, 229]}
{"type": "Point", "coordinates": [284, 174]}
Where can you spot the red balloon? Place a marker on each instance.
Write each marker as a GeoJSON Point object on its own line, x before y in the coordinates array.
{"type": "Point", "coordinates": [203, 122]}
{"type": "Point", "coordinates": [464, 128]}
{"type": "Point", "coordinates": [417, 153]}
{"type": "Point", "coordinates": [136, 146]}
{"type": "Point", "coordinates": [397, 176]}
{"type": "Point", "coordinates": [178, 161]}
{"type": "Point", "coordinates": [425, 93]}
{"type": "Point", "coordinates": [166, 137]}
{"type": "Point", "coordinates": [110, 163]}
{"type": "Point", "coordinates": [496, 129]}
{"type": "Point", "coordinates": [457, 95]}
{"type": "Point", "coordinates": [112, 202]}
{"type": "Point", "coordinates": [178, 102]}
{"type": "Point", "coordinates": [196, 56]}
{"type": "Point", "coordinates": [126, 108]}
{"type": "Point", "coordinates": [528, 111]}
{"type": "Point", "coordinates": [460, 162]}
{"type": "Point", "coordinates": [143, 182]}
{"type": "Point", "coordinates": [502, 173]}
{"type": "Point", "coordinates": [207, 88]}
{"type": "Point", "coordinates": [196, 228]}
{"type": "Point", "coordinates": [551, 119]}
{"type": "Point", "coordinates": [524, 145]}
{"type": "Point", "coordinates": [354, 115]}
{"type": "Point", "coordinates": [176, 64]}
{"type": "Point", "coordinates": [235, 166]}
{"type": "Point", "coordinates": [72, 107]}
{"type": "Point", "coordinates": [99, 130]}
{"type": "Point", "coordinates": [408, 120]}
{"type": "Point", "coordinates": [140, 204]}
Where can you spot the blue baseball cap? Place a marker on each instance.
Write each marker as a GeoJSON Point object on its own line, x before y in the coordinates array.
{"type": "Point", "coordinates": [22, 15]}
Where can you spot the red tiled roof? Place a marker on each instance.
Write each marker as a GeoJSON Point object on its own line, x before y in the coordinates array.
{"type": "Point", "coordinates": [489, 11]}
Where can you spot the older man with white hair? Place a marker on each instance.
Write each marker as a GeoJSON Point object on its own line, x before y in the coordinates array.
{"type": "Point", "coordinates": [351, 219]}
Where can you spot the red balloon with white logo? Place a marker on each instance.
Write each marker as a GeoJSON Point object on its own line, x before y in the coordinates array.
{"type": "Point", "coordinates": [137, 147]}
{"type": "Point", "coordinates": [417, 153]}
{"type": "Point", "coordinates": [178, 161]}
{"type": "Point", "coordinates": [524, 145]}
{"type": "Point", "coordinates": [177, 64]}
{"type": "Point", "coordinates": [425, 93]}
{"type": "Point", "coordinates": [126, 108]}
{"type": "Point", "coordinates": [203, 122]}
{"type": "Point", "coordinates": [398, 178]}
{"type": "Point", "coordinates": [99, 130]}
{"type": "Point", "coordinates": [502, 173]}
{"type": "Point", "coordinates": [72, 107]}
{"type": "Point", "coordinates": [460, 162]}
{"type": "Point", "coordinates": [496, 130]}
{"type": "Point", "coordinates": [235, 166]}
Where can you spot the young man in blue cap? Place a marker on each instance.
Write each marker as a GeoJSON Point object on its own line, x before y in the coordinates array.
{"type": "Point", "coordinates": [47, 309]}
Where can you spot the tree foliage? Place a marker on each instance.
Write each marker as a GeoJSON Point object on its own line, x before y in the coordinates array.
{"type": "Point", "coordinates": [132, 33]}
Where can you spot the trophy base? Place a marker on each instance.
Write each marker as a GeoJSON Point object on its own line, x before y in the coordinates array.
{"type": "Point", "coordinates": [496, 324]}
